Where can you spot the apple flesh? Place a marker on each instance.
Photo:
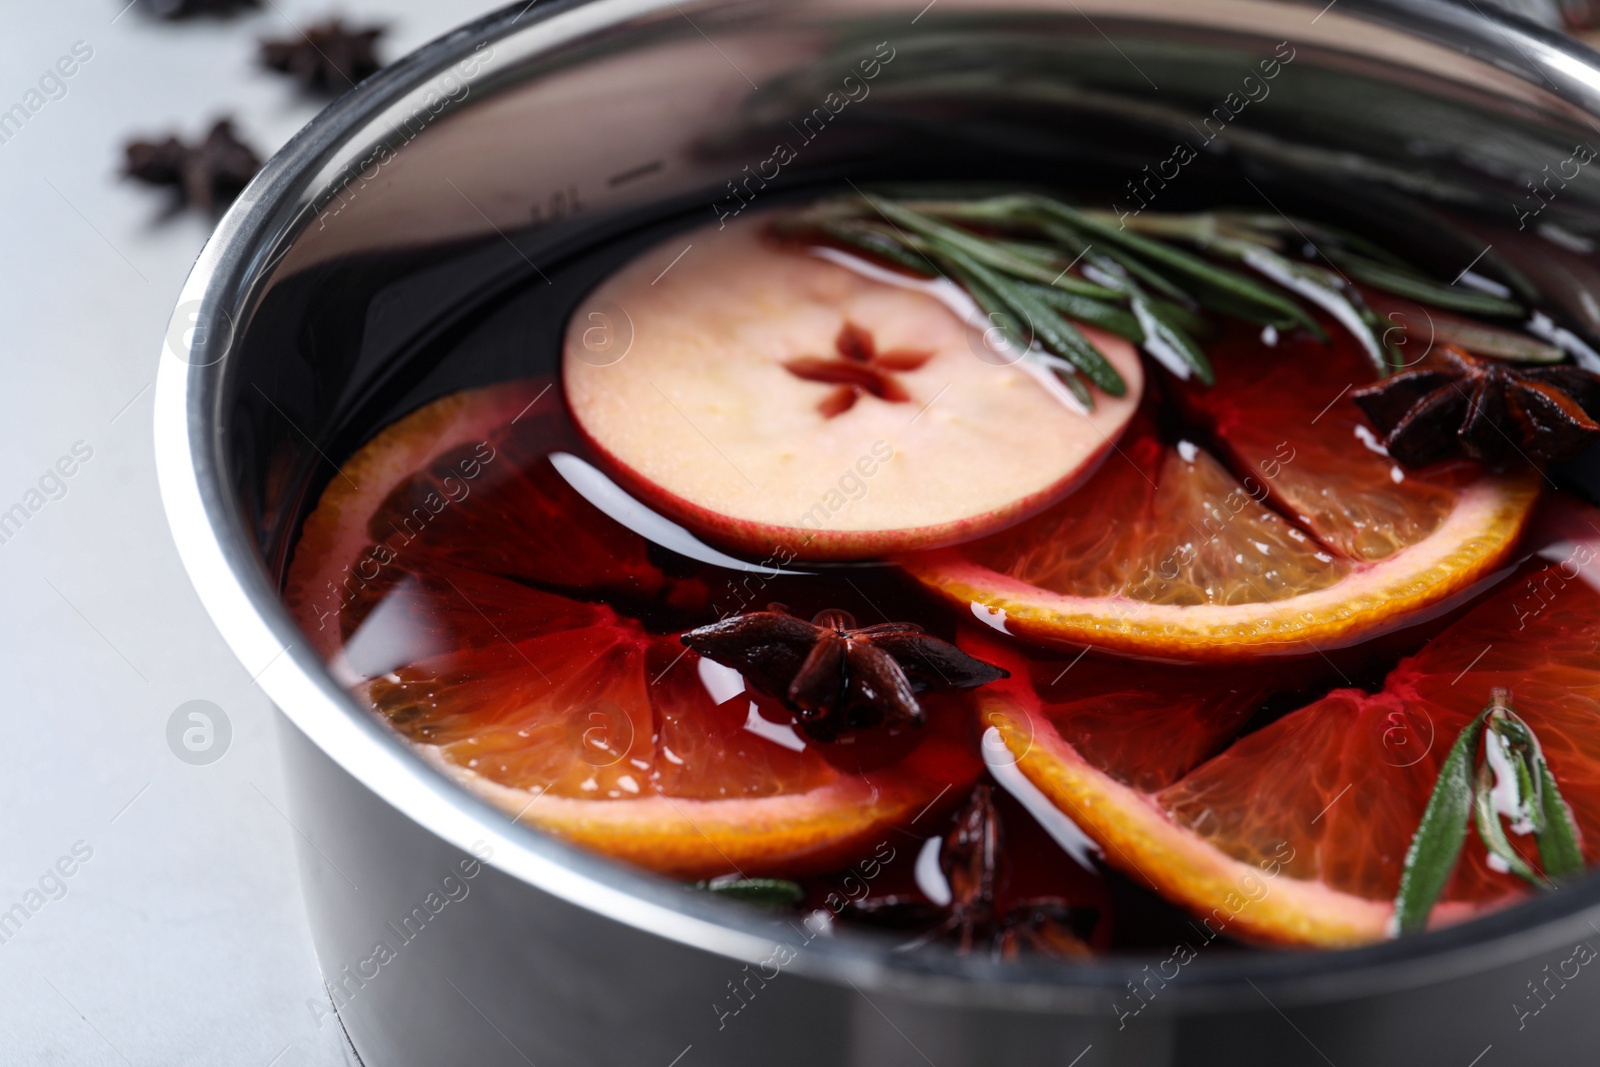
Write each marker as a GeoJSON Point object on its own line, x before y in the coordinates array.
{"type": "Point", "coordinates": [783, 404]}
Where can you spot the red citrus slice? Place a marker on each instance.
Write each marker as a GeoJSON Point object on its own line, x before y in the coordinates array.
{"type": "Point", "coordinates": [1296, 832]}
{"type": "Point", "coordinates": [464, 632]}
{"type": "Point", "coordinates": [611, 737]}
{"type": "Point", "coordinates": [463, 482]}
{"type": "Point", "coordinates": [1283, 415]}
{"type": "Point", "coordinates": [1170, 551]}
{"type": "Point", "coordinates": [775, 400]}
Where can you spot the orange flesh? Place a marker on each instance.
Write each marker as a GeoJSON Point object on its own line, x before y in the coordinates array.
{"type": "Point", "coordinates": [1325, 799]}
{"type": "Point", "coordinates": [1164, 530]}
{"type": "Point", "coordinates": [463, 628]}
{"type": "Point", "coordinates": [1275, 530]}
{"type": "Point", "coordinates": [1382, 752]}
{"type": "Point", "coordinates": [1284, 419]}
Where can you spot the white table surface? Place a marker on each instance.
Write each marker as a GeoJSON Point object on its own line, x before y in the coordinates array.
{"type": "Point", "coordinates": [183, 938]}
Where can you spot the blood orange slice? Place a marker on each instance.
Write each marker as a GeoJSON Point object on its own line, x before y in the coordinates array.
{"type": "Point", "coordinates": [777, 401]}
{"type": "Point", "coordinates": [1295, 833]}
{"type": "Point", "coordinates": [461, 481]}
{"type": "Point", "coordinates": [465, 631]}
{"type": "Point", "coordinates": [616, 739]}
{"type": "Point", "coordinates": [1290, 533]}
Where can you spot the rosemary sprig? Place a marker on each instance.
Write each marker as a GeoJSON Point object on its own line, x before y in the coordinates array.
{"type": "Point", "coordinates": [1108, 317]}
{"type": "Point", "coordinates": [1035, 266]}
{"type": "Point", "coordinates": [1083, 250]}
{"type": "Point", "coordinates": [1513, 781]}
{"type": "Point", "coordinates": [1257, 302]}
{"type": "Point", "coordinates": [876, 241]}
{"type": "Point", "coordinates": [1440, 835]}
{"type": "Point", "coordinates": [1164, 328]}
{"type": "Point", "coordinates": [1414, 286]}
{"type": "Point", "coordinates": [1490, 830]}
{"type": "Point", "coordinates": [990, 270]}
{"type": "Point", "coordinates": [1328, 291]}
{"type": "Point", "coordinates": [775, 894]}
{"type": "Point", "coordinates": [1559, 852]}
{"type": "Point", "coordinates": [1056, 334]}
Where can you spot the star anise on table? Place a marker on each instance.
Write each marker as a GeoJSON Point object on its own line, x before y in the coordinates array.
{"type": "Point", "coordinates": [972, 857]}
{"type": "Point", "coordinates": [329, 57]}
{"type": "Point", "coordinates": [860, 369]}
{"type": "Point", "coordinates": [1496, 412]}
{"type": "Point", "coordinates": [209, 174]}
{"type": "Point", "coordinates": [835, 676]}
{"type": "Point", "coordinates": [182, 9]}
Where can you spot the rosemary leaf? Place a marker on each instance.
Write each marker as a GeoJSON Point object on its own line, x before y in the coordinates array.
{"type": "Point", "coordinates": [1166, 341]}
{"type": "Point", "coordinates": [1061, 279]}
{"type": "Point", "coordinates": [1108, 317]}
{"type": "Point", "coordinates": [1479, 338]}
{"type": "Point", "coordinates": [775, 894]}
{"type": "Point", "coordinates": [1082, 248]}
{"type": "Point", "coordinates": [1069, 283]}
{"type": "Point", "coordinates": [990, 254]}
{"type": "Point", "coordinates": [874, 242]}
{"type": "Point", "coordinates": [1559, 853]}
{"type": "Point", "coordinates": [1414, 286]}
{"type": "Point", "coordinates": [1050, 258]}
{"type": "Point", "coordinates": [1073, 382]}
{"type": "Point", "coordinates": [1356, 256]}
{"type": "Point", "coordinates": [1492, 833]}
{"type": "Point", "coordinates": [1046, 256]}
{"type": "Point", "coordinates": [1530, 808]}
{"type": "Point", "coordinates": [1436, 845]}
{"type": "Point", "coordinates": [1393, 353]}
{"type": "Point", "coordinates": [1169, 344]}
{"type": "Point", "coordinates": [1056, 334]}
{"type": "Point", "coordinates": [1180, 317]}
{"type": "Point", "coordinates": [1265, 305]}
{"type": "Point", "coordinates": [1022, 259]}
{"type": "Point", "coordinates": [1043, 255]}
{"type": "Point", "coordinates": [1201, 229]}
{"type": "Point", "coordinates": [1540, 807]}
{"type": "Point", "coordinates": [998, 211]}
{"type": "Point", "coordinates": [1326, 290]}
{"type": "Point", "coordinates": [1511, 750]}
{"type": "Point", "coordinates": [1013, 328]}
{"type": "Point", "coordinates": [1320, 234]}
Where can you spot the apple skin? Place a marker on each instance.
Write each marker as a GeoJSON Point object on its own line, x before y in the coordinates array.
{"type": "Point", "coordinates": [783, 544]}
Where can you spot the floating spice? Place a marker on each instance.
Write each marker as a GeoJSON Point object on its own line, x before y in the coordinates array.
{"type": "Point", "coordinates": [835, 676]}
{"type": "Point", "coordinates": [1496, 412]}
{"type": "Point", "coordinates": [972, 857]}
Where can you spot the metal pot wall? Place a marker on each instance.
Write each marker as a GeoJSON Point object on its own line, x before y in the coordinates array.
{"type": "Point", "coordinates": [467, 186]}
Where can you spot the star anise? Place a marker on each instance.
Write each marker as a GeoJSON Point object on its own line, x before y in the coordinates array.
{"type": "Point", "coordinates": [209, 174]}
{"type": "Point", "coordinates": [329, 57]}
{"type": "Point", "coordinates": [860, 369]}
{"type": "Point", "coordinates": [182, 9]}
{"type": "Point", "coordinates": [835, 676]}
{"type": "Point", "coordinates": [972, 857]}
{"type": "Point", "coordinates": [1499, 413]}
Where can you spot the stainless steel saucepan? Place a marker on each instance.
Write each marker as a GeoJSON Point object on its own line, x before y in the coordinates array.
{"type": "Point", "coordinates": [430, 231]}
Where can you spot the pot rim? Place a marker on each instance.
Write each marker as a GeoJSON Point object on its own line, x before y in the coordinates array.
{"type": "Point", "coordinates": [226, 570]}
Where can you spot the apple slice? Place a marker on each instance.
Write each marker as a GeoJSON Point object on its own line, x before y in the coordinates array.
{"type": "Point", "coordinates": [784, 403]}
